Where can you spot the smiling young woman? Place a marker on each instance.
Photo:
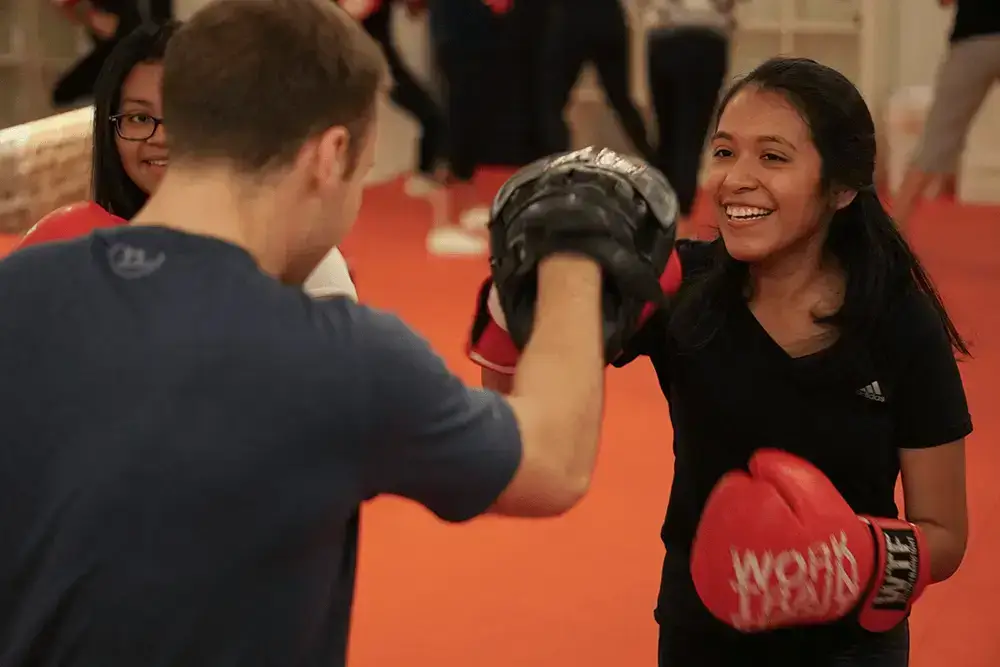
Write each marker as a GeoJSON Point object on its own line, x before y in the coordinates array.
{"type": "Point", "coordinates": [810, 327]}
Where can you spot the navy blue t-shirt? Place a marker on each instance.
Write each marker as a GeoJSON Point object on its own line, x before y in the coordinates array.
{"type": "Point", "coordinates": [186, 443]}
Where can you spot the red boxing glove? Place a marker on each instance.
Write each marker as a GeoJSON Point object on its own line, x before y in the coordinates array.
{"type": "Point", "coordinates": [499, 7]}
{"type": "Point", "coordinates": [490, 345]}
{"type": "Point", "coordinates": [780, 547]}
{"type": "Point", "coordinates": [69, 222]}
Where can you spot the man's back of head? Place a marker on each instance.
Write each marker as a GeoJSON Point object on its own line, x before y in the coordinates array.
{"type": "Point", "coordinates": [271, 111]}
{"type": "Point", "coordinates": [249, 81]}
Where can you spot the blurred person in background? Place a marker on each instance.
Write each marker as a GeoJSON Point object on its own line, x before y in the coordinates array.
{"type": "Point", "coordinates": [688, 56]}
{"type": "Point", "coordinates": [465, 39]}
{"type": "Point", "coordinates": [407, 92]}
{"type": "Point", "coordinates": [131, 153]}
{"type": "Point", "coordinates": [106, 23]}
{"type": "Point", "coordinates": [969, 70]}
{"type": "Point", "coordinates": [578, 33]}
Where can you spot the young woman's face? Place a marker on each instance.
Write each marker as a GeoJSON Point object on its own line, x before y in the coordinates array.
{"type": "Point", "coordinates": [144, 160]}
{"type": "Point", "coordinates": [764, 177]}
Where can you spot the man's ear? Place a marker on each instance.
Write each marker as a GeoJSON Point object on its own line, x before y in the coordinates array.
{"type": "Point", "coordinates": [333, 149]}
{"type": "Point", "coordinates": [323, 160]}
{"type": "Point", "coordinates": [325, 157]}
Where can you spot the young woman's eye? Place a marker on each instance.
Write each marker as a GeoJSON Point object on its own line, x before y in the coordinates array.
{"type": "Point", "coordinates": [774, 157]}
{"type": "Point", "coordinates": [138, 118]}
{"type": "Point", "coordinates": [720, 153]}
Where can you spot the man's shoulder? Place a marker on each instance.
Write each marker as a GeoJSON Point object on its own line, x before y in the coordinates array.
{"type": "Point", "coordinates": [27, 265]}
{"type": "Point", "coordinates": [371, 330]}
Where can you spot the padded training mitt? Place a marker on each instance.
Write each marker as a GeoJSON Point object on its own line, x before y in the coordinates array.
{"type": "Point", "coordinates": [615, 209]}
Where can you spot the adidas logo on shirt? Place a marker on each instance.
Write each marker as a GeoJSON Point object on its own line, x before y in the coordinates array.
{"type": "Point", "coordinates": [872, 392]}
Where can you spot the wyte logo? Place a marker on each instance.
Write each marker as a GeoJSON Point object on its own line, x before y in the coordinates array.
{"type": "Point", "coordinates": [902, 564]}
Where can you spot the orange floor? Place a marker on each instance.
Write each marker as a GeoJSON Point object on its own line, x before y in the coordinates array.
{"type": "Point", "coordinates": [578, 591]}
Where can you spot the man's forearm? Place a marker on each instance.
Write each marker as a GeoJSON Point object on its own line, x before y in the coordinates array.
{"type": "Point", "coordinates": [562, 367]}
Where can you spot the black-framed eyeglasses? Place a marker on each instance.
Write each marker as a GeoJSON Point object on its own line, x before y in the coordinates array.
{"type": "Point", "coordinates": [135, 126]}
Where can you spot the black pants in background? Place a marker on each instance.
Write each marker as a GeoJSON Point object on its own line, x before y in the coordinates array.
{"type": "Point", "coordinates": [408, 94]}
{"type": "Point", "coordinates": [687, 66]}
{"type": "Point", "coordinates": [469, 91]}
{"type": "Point", "coordinates": [574, 37]}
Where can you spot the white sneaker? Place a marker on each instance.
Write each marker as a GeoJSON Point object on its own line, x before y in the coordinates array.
{"type": "Point", "coordinates": [419, 185]}
{"type": "Point", "coordinates": [475, 218]}
{"type": "Point", "coordinates": [455, 241]}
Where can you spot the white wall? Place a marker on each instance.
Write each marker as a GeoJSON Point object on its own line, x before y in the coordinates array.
{"type": "Point", "coordinates": [923, 39]}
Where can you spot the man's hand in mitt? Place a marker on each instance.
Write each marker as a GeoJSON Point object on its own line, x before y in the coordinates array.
{"type": "Point", "coordinates": [615, 209]}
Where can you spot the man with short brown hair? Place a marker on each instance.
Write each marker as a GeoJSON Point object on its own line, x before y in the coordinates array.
{"type": "Point", "coordinates": [252, 81]}
{"type": "Point", "coordinates": [256, 89]}
{"type": "Point", "coordinates": [188, 436]}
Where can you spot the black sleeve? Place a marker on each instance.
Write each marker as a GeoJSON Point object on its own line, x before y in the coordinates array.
{"type": "Point", "coordinates": [644, 343]}
{"type": "Point", "coordinates": [696, 257]}
{"type": "Point", "coordinates": [433, 440]}
{"type": "Point", "coordinates": [928, 402]}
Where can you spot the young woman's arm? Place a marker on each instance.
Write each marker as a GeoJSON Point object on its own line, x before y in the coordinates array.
{"type": "Point", "coordinates": [932, 420]}
{"type": "Point", "coordinates": [934, 494]}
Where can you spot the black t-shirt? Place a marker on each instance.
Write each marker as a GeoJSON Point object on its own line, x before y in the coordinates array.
{"type": "Point", "coordinates": [974, 18]}
{"type": "Point", "coordinates": [849, 413]}
{"type": "Point", "coordinates": [186, 445]}
{"type": "Point", "coordinates": [463, 25]}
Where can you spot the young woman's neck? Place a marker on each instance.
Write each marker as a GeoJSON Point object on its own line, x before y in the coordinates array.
{"type": "Point", "coordinates": [787, 276]}
{"type": "Point", "coordinates": [213, 202]}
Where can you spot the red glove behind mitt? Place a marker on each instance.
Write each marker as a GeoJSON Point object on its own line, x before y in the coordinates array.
{"type": "Point", "coordinates": [490, 346]}
{"type": "Point", "coordinates": [499, 7]}
{"type": "Point", "coordinates": [69, 222]}
{"type": "Point", "coordinates": [780, 547]}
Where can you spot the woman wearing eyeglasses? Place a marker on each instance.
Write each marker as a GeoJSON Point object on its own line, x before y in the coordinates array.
{"type": "Point", "coordinates": [131, 153]}
{"type": "Point", "coordinates": [130, 140]}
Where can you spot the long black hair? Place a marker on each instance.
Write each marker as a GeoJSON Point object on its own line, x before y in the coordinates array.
{"type": "Point", "coordinates": [878, 262]}
{"type": "Point", "coordinates": [113, 190]}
